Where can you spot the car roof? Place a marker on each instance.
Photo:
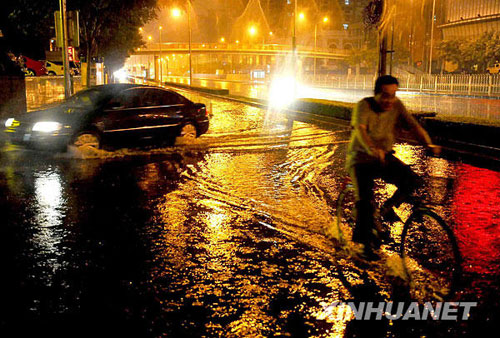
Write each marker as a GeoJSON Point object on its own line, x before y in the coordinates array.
{"type": "Point", "coordinates": [114, 87]}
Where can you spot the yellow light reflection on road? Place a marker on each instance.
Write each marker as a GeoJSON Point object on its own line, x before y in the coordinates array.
{"type": "Point", "coordinates": [50, 215]}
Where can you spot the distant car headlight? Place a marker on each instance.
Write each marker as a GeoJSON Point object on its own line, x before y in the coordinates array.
{"type": "Point", "coordinates": [9, 122]}
{"type": "Point", "coordinates": [47, 127]}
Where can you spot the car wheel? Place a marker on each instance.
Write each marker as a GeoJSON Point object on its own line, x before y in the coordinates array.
{"type": "Point", "coordinates": [87, 138]}
{"type": "Point", "coordinates": [52, 73]}
{"type": "Point", "coordinates": [30, 72]}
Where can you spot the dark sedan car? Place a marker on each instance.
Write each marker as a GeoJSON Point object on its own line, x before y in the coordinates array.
{"type": "Point", "coordinates": [115, 114]}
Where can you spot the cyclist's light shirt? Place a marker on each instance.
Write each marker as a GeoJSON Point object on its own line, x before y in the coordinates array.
{"type": "Point", "coordinates": [381, 127]}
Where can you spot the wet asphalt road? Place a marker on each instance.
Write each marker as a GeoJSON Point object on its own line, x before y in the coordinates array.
{"type": "Point", "coordinates": [225, 237]}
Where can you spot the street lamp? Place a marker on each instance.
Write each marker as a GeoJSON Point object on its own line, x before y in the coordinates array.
{"type": "Point", "coordinates": [177, 13]}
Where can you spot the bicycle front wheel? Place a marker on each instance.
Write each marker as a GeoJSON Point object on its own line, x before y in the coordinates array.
{"type": "Point", "coordinates": [430, 256]}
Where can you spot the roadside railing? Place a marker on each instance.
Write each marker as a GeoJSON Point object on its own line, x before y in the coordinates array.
{"type": "Point", "coordinates": [455, 84]}
{"type": "Point", "coordinates": [42, 90]}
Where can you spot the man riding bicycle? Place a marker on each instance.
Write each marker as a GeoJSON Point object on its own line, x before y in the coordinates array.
{"type": "Point", "coordinates": [375, 121]}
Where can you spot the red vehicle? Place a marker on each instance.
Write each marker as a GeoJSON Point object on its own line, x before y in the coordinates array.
{"type": "Point", "coordinates": [32, 67]}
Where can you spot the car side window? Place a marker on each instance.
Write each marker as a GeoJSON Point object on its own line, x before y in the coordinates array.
{"type": "Point", "coordinates": [169, 98]}
{"type": "Point", "coordinates": [152, 97]}
{"type": "Point", "coordinates": [130, 98]}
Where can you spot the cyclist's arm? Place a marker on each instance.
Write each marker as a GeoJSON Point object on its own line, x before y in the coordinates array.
{"type": "Point", "coordinates": [419, 131]}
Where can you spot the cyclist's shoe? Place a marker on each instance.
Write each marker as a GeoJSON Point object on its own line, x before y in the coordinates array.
{"type": "Point", "coordinates": [388, 215]}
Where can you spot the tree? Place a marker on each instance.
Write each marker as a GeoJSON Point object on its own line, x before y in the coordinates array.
{"type": "Point", "coordinates": [472, 55]}
{"type": "Point", "coordinates": [110, 28]}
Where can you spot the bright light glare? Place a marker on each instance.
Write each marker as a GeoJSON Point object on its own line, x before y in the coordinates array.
{"type": "Point", "coordinates": [252, 30]}
{"type": "Point", "coordinates": [47, 127]}
{"type": "Point", "coordinates": [121, 75]}
{"type": "Point", "coordinates": [9, 122]}
{"type": "Point", "coordinates": [302, 16]}
{"type": "Point", "coordinates": [282, 92]}
{"type": "Point", "coordinates": [176, 12]}
{"type": "Point", "coordinates": [325, 19]}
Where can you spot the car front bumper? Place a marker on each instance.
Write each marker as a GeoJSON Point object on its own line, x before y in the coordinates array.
{"type": "Point", "coordinates": [39, 140]}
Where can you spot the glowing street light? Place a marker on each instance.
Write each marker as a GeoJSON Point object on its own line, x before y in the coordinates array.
{"type": "Point", "coordinates": [222, 40]}
{"type": "Point", "coordinates": [176, 12]}
{"type": "Point", "coordinates": [252, 31]}
{"type": "Point", "coordinates": [302, 16]}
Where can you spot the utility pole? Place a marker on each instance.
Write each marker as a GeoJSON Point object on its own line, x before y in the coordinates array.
{"type": "Point", "coordinates": [190, 38]}
{"type": "Point", "coordinates": [432, 35]}
{"type": "Point", "coordinates": [67, 76]}
{"type": "Point", "coordinates": [382, 63]}
{"type": "Point", "coordinates": [294, 36]}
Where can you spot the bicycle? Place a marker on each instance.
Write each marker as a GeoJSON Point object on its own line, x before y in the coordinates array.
{"type": "Point", "coordinates": [427, 247]}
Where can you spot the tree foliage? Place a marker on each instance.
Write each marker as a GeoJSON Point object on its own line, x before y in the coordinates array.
{"type": "Point", "coordinates": [472, 55]}
{"type": "Point", "coordinates": [110, 28]}
{"type": "Point", "coordinates": [28, 25]}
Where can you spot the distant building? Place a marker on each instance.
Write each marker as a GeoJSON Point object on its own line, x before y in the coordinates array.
{"type": "Point", "coordinates": [470, 18]}
{"type": "Point", "coordinates": [352, 34]}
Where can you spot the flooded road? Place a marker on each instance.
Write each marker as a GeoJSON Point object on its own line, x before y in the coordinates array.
{"type": "Point", "coordinates": [224, 237]}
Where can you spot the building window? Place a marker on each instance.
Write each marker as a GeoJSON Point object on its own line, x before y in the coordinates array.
{"type": "Point", "coordinates": [346, 26]}
{"type": "Point", "coordinates": [347, 2]}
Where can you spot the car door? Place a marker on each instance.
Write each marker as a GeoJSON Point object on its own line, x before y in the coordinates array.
{"type": "Point", "coordinates": [123, 116]}
{"type": "Point", "coordinates": [164, 112]}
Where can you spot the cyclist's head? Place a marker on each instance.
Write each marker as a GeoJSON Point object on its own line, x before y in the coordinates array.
{"type": "Point", "coordinates": [385, 91]}
{"type": "Point", "coordinates": [385, 80]}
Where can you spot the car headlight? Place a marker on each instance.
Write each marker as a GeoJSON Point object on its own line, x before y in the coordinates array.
{"type": "Point", "coordinates": [9, 122]}
{"type": "Point", "coordinates": [47, 127]}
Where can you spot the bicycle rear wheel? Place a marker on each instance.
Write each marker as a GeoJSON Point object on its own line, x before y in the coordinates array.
{"type": "Point", "coordinates": [430, 256]}
{"type": "Point", "coordinates": [346, 219]}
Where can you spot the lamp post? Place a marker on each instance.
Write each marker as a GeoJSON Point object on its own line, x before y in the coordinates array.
{"type": "Point", "coordinates": [176, 13]}
{"type": "Point", "coordinates": [161, 61]}
{"type": "Point", "coordinates": [325, 20]}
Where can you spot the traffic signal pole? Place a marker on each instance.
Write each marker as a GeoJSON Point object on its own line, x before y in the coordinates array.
{"type": "Point", "coordinates": [64, 25]}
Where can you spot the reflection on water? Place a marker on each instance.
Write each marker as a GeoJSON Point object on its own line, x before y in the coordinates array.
{"type": "Point", "coordinates": [51, 208]}
{"type": "Point", "coordinates": [476, 206]}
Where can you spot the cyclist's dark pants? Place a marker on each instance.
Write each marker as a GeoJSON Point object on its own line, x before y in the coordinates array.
{"type": "Point", "coordinates": [363, 175]}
